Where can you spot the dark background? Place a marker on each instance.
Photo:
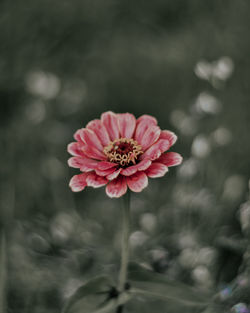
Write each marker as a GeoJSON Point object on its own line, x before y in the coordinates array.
{"type": "Point", "coordinates": [63, 63]}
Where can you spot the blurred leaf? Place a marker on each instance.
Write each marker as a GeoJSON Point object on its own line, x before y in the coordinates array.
{"type": "Point", "coordinates": [2, 273]}
{"type": "Point", "coordinates": [96, 296]}
{"type": "Point", "coordinates": [150, 284]}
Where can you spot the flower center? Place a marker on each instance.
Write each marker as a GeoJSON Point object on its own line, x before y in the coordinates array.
{"type": "Point", "coordinates": [123, 151]}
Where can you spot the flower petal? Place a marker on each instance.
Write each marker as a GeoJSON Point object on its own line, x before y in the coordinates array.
{"type": "Point", "coordinates": [143, 123]}
{"type": "Point", "coordinates": [156, 149]}
{"type": "Point", "coordinates": [105, 165]}
{"type": "Point", "coordinates": [93, 153]}
{"type": "Point", "coordinates": [170, 136]}
{"type": "Point", "coordinates": [137, 182]}
{"type": "Point", "coordinates": [77, 135]}
{"type": "Point", "coordinates": [170, 159]}
{"type": "Point", "coordinates": [110, 121]}
{"type": "Point", "coordinates": [114, 174]}
{"type": "Point", "coordinates": [100, 130]}
{"type": "Point", "coordinates": [150, 136]}
{"type": "Point", "coordinates": [90, 138]}
{"type": "Point", "coordinates": [156, 170]}
{"type": "Point", "coordinates": [117, 187]}
{"type": "Point", "coordinates": [105, 172]}
{"type": "Point", "coordinates": [143, 165]}
{"type": "Point", "coordinates": [78, 182]}
{"type": "Point", "coordinates": [127, 124]}
{"type": "Point", "coordinates": [84, 164]}
{"type": "Point", "coordinates": [95, 181]}
{"type": "Point", "coordinates": [75, 148]}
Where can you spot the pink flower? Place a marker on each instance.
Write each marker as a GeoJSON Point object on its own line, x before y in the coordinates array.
{"type": "Point", "coordinates": [121, 152]}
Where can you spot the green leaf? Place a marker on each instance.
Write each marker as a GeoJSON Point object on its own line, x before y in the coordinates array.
{"type": "Point", "coordinates": [153, 285]}
{"type": "Point", "coordinates": [95, 297]}
{"type": "Point", "coordinates": [2, 272]}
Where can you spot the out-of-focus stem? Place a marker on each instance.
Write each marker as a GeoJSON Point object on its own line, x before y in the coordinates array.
{"type": "Point", "coordinates": [125, 243]}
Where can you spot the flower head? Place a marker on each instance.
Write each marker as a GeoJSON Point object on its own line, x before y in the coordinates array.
{"type": "Point", "coordinates": [121, 152]}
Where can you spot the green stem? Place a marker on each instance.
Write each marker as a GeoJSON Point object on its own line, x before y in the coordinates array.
{"type": "Point", "coordinates": [125, 243]}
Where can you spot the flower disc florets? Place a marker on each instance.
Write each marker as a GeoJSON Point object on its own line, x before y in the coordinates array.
{"type": "Point", "coordinates": [123, 151]}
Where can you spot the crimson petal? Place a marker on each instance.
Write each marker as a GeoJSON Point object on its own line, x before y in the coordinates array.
{"type": "Point", "coordinates": [100, 130]}
{"type": "Point", "coordinates": [95, 181]}
{"type": "Point", "coordinates": [110, 121]}
{"type": "Point", "coordinates": [170, 159]}
{"type": "Point", "coordinates": [137, 182]}
{"type": "Point", "coordinates": [170, 136]}
{"type": "Point", "coordinates": [143, 165]}
{"type": "Point", "coordinates": [117, 187]}
{"type": "Point", "coordinates": [127, 124]}
{"type": "Point", "coordinates": [84, 164]}
{"type": "Point", "coordinates": [156, 170]}
{"type": "Point", "coordinates": [78, 182]}
{"type": "Point", "coordinates": [156, 149]}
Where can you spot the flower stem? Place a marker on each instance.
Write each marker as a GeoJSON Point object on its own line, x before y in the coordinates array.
{"type": "Point", "coordinates": [125, 242]}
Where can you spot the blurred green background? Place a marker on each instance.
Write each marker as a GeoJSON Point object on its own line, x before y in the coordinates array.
{"type": "Point", "coordinates": [63, 63]}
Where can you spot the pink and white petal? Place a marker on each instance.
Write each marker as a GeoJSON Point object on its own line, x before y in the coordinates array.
{"type": "Point", "coordinates": [170, 136]}
{"type": "Point", "coordinates": [137, 182]}
{"type": "Point", "coordinates": [95, 181]}
{"type": "Point", "coordinates": [114, 174]}
{"type": "Point", "coordinates": [78, 182]}
{"type": "Point", "coordinates": [93, 153]}
{"type": "Point", "coordinates": [150, 136]}
{"type": "Point", "coordinates": [77, 135]}
{"type": "Point", "coordinates": [156, 170]}
{"type": "Point", "coordinates": [156, 150]}
{"type": "Point", "coordinates": [117, 187]}
{"type": "Point", "coordinates": [75, 148]}
{"type": "Point", "coordinates": [127, 123]}
{"type": "Point", "coordinates": [105, 165]}
{"type": "Point", "coordinates": [90, 138]}
{"type": "Point", "coordinates": [143, 165]}
{"type": "Point", "coordinates": [84, 164]}
{"type": "Point", "coordinates": [105, 172]}
{"type": "Point", "coordinates": [143, 123]}
{"type": "Point", "coordinates": [100, 130]}
{"type": "Point", "coordinates": [170, 159]}
{"type": "Point", "coordinates": [148, 118]}
{"type": "Point", "coordinates": [110, 121]}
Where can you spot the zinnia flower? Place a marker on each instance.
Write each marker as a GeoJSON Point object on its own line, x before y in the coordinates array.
{"type": "Point", "coordinates": [121, 152]}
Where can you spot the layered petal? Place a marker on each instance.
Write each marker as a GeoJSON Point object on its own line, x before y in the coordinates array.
{"type": "Point", "coordinates": [100, 130]}
{"type": "Point", "coordinates": [143, 165]}
{"type": "Point", "coordinates": [105, 172]}
{"type": "Point", "coordinates": [90, 138]}
{"type": "Point", "coordinates": [156, 170]}
{"type": "Point", "coordinates": [95, 181]}
{"type": "Point", "coordinates": [137, 182]}
{"type": "Point", "coordinates": [84, 164]}
{"type": "Point", "coordinates": [114, 174]}
{"type": "Point", "coordinates": [127, 123]}
{"type": "Point", "coordinates": [143, 123]}
{"type": "Point", "coordinates": [77, 136]}
{"type": "Point", "coordinates": [170, 136]}
{"type": "Point", "coordinates": [150, 136]}
{"type": "Point", "coordinates": [93, 153]}
{"type": "Point", "coordinates": [110, 121]}
{"type": "Point", "coordinates": [170, 159]}
{"type": "Point", "coordinates": [117, 187]}
{"type": "Point", "coordinates": [156, 149]}
{"type": "Point", "coordinates": [78, 182]}
{"type": "Point", "coordinates": [76, 148]}
{"type": "Point", "coordinates": [104, 165]}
